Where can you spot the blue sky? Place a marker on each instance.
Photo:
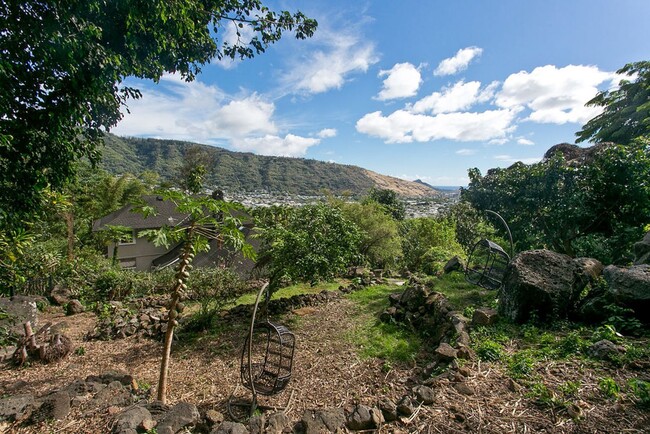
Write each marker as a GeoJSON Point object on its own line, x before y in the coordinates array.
{"type": "Point", "coordinates": [412, 89]}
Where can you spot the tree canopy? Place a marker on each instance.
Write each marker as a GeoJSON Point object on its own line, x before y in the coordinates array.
{"type": "Point", "coordinates": [63, 65]}
{"type": "Point", "coordinates": [626, 113]}
{"type": "Point", "coordinates": [597, 208]}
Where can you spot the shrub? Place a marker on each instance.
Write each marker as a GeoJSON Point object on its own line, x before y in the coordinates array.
{"type": "Point", "coordinates": [214, 289]}
{"type": "Point", "coordinates": [609, 388]}
{"type": "Point", "coordinates": [428, 243]}
{"type": "Point", "coordinates": [489, 350]}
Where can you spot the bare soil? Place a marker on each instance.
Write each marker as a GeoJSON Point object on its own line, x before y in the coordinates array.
{"type": "Point", "coordinates": [327, 373]}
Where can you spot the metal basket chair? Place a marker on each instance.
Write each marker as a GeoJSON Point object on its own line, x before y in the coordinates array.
{"type": "Point", "coordinates": [267, 357]}
{"type": "Point", "coordinates": [487, 261]}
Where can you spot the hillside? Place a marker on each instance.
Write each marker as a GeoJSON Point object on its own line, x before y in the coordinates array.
{"type": "Point", "coordinates": [246, 172]}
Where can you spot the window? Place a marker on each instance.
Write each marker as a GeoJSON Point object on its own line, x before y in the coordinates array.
{"type": "Point", "coordinates": [127, 263]}
{"type": "Point", "coordinates": [130, 242]}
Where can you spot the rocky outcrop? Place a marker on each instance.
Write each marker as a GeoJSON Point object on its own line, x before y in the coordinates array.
{"type": "Point", "coordinates": [630, 287]}
{"type": "Point", "coordinates": [17, 311]}
{"type": "Point", "coordinates": [541, 284]}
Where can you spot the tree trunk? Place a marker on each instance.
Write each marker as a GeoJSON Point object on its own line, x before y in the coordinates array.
{"type": "Point", "coordinates": [69, 222]}
{"type": "Point", "coordinates": [179, 287]}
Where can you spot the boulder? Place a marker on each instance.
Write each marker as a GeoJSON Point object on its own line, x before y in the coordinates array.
{"type": "Point", "coordinates": [484, 316]}
{"type": "Point", "coordinates": [361, 417]}
{"type": "Point", "coordinates": [388, 409]}
{"type": "Point", "coordinates": [630, 287]}
{"type": "Point", "coordinates": [540, 283]}
{"type": "Point", "coordinates": [18, 309]}
{"type": "Point", "coordinates": [642, 251]}
{"type": "Point", "coordinates": [55, 406]}
{"type": "Point", "coordinates": [414, 296]}
{"type": "Point", "coordinates": [318, 421]}
{"type": "Point", "coordinates": [424, 394]}
{"type": "Point", "coordinates": [606, 350]}
{"type": "Point", "coordinates": [60, 295]}
{"type": "Point", "coordinates": [182, 415]}
{"type": "Point", "coordinates": [228, 427]}
{"type": "Point", "coordinates": [17, 407]}
{"type": "Point", "coordinates": [454, 264]}
{"type": "Point", "coordinates": [74, 307]}
{"type": "Point", "coordinates": [132, 419]}
{"type": "Point", "coordinates": [590, 268]}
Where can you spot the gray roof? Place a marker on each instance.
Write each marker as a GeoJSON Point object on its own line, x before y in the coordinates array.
{"type": "Point", "coordinates": [166, 214]}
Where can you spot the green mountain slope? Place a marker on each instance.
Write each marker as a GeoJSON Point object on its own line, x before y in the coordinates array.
{"type": "Point", "coordinates": [246, 172]}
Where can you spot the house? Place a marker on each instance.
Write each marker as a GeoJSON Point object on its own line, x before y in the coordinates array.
{"type": "Point", "coordinates": [141, 254]}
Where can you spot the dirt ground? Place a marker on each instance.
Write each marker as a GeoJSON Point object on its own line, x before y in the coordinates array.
{"type": "Point", "coordinates": [327, 373]}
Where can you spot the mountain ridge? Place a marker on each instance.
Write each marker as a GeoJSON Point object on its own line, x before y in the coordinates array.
{"type": "Point", "coordinates": [243, 171]}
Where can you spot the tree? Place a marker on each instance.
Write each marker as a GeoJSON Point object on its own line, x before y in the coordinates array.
{"type": "Point", "coordinates": [597, 209]}
{"type": "Point", "coordinates": [207, 219]}
{"type": "Point", "coordinates": [315, 242]}
{"type": "Point", "coordinates": [389, 201]}
{"type": "Point", "coordinates": [380, 242]}
{"type": "Point", "coordinates": [115, 234]}
{"type": "Point", "coordinates": [196, 162]}
{"type": "Point", "coordinates": [63, 63]}
{"type": "Point", "coordinates": [428, 243]}
{"type": "Point", "coordinates": [626, 113]}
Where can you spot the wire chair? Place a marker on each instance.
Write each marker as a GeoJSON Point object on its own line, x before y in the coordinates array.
{"type": "Point", "coordinates": [267, 358]}
{"type": "Point", "coordinates": [487, 262]}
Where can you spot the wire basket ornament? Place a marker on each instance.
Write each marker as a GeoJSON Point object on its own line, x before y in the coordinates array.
{"type": "Point", "coordinates": [267, 358]}
{"type": "Point", "coordinates": [487, 261]}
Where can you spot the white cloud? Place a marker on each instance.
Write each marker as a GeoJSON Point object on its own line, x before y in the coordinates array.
{"type": "Point", "coordinates": [250, 115]}
{"type": "Point", "coordinates": [287, 146]}
{"type": "Point", "coordinates": [201, 113]}
{"type": "Point", "coordinates": [459, 62]}
{"type": "Point", "coordinates": [327, 133]}
{"type": "Point", "coordinates": [461, 96]}
{"type": "Point", "coordinates": [465, 152]}
{"type": "Point", "coordinates": [404, 127]}
{"type": "Point", "coordinates": [329, 67]}
{"type": "Point", "coordinates": [524, 141]}
{"type": "Point", "coordinates": [554, 95]}
{"type": "Point", "coordinates": [511, 160]}
{"type": "Point", "coordinates": [402, 80]}
{"type": "Point", "coordinates": [173, 109]}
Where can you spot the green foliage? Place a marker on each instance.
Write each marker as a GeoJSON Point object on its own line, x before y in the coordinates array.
{"type": "Point", "coordinates": [214, 289]}
{"type": "Point", "coordinates": [13, 246]}
{"type": "Point", "coordinates": [641, 391]}
{"type": "Point", "coordinates": [314, 242]}
{"type": "Point", "coordinates": [544, 396]}
{"type": "Point", "coordinates": [428, 243]}
{"type": "Point", "coordinates": [380, 242]}
{"type": "Point", "coordinates": [388, 201]}
{"type": "Point", "coordinates": [522, 364]}
{"type": "Point", "coordinates": [623, 319]}
{"type": "Point", "coordinates": [607, 332]}
{"type": "Point", "coordinates": [571, 344]}
{"type": "Point", "coordinates": [55, 111]}
{"type": "Point", "coordinates": [609, 388]}
{"type": "Point", "coordinates": [626, 109]}
{"type": "Point", "coordinates": [489, 350]}
{"type": "Point", "coordinates": [374, 338]}
{"type": "Point", "coordinates": [596, 209]}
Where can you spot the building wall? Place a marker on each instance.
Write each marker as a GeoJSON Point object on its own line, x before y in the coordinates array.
{"type": "Point", "coordinates": [143, 251]}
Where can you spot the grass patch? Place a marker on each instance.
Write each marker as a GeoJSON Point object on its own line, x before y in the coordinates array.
{"type": "Point", "coordinates": [461, 294]}
{"type": "Point", "coordinates": [290, 291]}
{"type": "Point", "coordinates": [373, 338]}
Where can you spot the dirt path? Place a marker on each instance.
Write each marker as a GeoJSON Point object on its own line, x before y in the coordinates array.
{"type": "Point", "coordinates": [327, 373]}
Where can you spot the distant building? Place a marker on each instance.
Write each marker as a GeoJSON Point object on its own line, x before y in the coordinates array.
{"type": "Point", "coordinates": [142, 254]}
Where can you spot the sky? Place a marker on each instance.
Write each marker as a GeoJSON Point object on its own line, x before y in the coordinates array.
{"type": "Point", "coordinates": [412, 89]}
